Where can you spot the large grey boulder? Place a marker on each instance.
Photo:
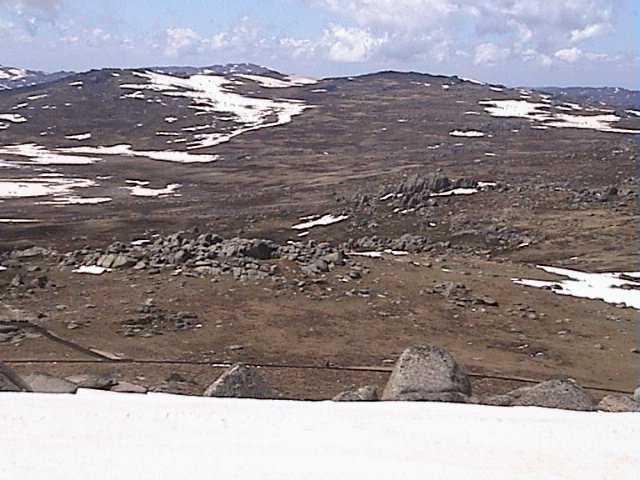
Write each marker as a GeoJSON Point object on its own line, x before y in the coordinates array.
{"type": "Point", "coordinates": [563, 394]}
{"type": "Point", "coordinates": [618, 403]}
{"type": "Point", "coordinates": [368, 393]}
{"type": "Point", "coordinates": [43, 383]}
{"type": "Point", "coordinates": [240, 381]}
{"type": "Point", "coordinates": [10, 381]}
{"type": "Point", "coordinates": [424, 373]}
{"type": "Point", "coordinates": [636, 395]}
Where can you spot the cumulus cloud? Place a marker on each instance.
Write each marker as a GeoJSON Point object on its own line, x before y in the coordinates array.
{"type": "Point", "coordinates": [350, 44]}
{"type": "Point", "coordinates": [589, 31]}
{"type": "Point", "coordinates": [490, 54]}
{"type": "Point", "coordinates": [570, 55]}
{"type": "Point", "coordinates": [31, 14]}
{"type": "Point", "coordinates": [502, 29]}
{"type": "Point", "coordinates": [181, 41]}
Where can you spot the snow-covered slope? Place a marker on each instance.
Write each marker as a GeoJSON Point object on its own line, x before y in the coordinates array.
{"type": "Point", "coordinates": [13, 77]}
{"type": "Point", "coordinates": [102, 435]}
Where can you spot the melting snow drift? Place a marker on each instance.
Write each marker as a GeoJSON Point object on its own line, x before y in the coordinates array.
{"type": "Point", "coordinates": [40, 187]}
{"type": "Point", "coordinates": [140, 190]}
{"type": "Point", "coordinates": [95, 434]}
{"type": "Point", "coordinates": [91, 270]}
{"type": "Point", "coordinates": [320, 222]}
{"type": "Point", "coordinates": [467, 133]}
{"type": "Point", "coordinates": [610, 287]}
{"type": "Point", "coordinates": [541, 113]}
{"type": "Point", "coordinates": [213, 94]}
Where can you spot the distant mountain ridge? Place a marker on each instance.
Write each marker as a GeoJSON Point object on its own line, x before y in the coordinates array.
{"type": "Point", "coordinates": [226, 69]}
{"type": "Point", "coordinates": [14, 77]}
{"type": "Point", "coordinates": [613, 96]}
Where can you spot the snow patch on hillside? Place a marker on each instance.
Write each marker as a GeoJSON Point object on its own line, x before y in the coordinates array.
{"type": "Point", "coordinates": [40, 187]}
{"type": "Point", "coordinates": [143, 191]}
{"type": "Point", "coordinates": [12, 117]}
{"type": "Point", "coordinates": [542, 114]}
{"type": "Point", "coordinates": [466, 133]}
{"type": "Point", "coordinates": [270, 82]}
{"type": "Point", "coordinates": [213, 94]}
{"type": "Point", "coordinates": [79, 136]}
{"type": "Point", "coordinates": [322, 221]}
{"type": "Point", "coordinates": [38, 154]}
{"type": "Point", "coordinates": [612, 287]}
{"type": "Point", "coordinates": [161, 155]}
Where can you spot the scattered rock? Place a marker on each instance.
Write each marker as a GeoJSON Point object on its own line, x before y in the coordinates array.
{"type": "Point", "coordinates": [94, 381]}
{"type": "Point", "coordinates": [126, 387]}
{"type": "Point", "coordinates": [240, 381]}
{"type": "Point", "coordinates": [43, 383]}
{"type": "Point", "coordinates": [152, 320]}
{"type": "Point", "coordinates": [618, 403]}
{"type": "Point", "coordinates": [564, 394]}
{"type": "Point", "coordinates": [422, 371]}
{"type": "Point", "coordinates": [177, 384]}
{"type": "Point", "coordinates": [30, 253]}
{"type": "Point", "coordinates": [10, 381]}
{"type": "Point", "coordinates": [364, 394]}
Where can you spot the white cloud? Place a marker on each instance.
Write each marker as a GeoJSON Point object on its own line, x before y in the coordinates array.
{"type": "Point", "coordinates": [31, 13]}
{"type": "Point", "coordinates": [42, 5]}
{"type": "Point", "coordinates": [570, 55]}
{"type": "Point", "coordinates": [504, 29]}
{"type": "Point", "coordinates": [350, 44]}
{"type": "Point", "coordinates": [181, 41]}
{"type": "Point", "coordinates": [394, 14]}
{"type": "Point", "coordinates": [588, 32]}
{"type": "Point", "coordinates": [490, 54]}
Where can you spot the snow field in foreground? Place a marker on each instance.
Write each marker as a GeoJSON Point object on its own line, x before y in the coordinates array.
{"type": "Point", "coordinates": [103, 435]}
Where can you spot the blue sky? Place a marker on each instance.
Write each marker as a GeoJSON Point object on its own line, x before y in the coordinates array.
{"type": "Point", "coordinates": [516, 42]}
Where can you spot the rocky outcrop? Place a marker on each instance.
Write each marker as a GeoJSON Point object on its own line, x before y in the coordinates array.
{"type": "Point", "coordinates": [240, 381]}
{"type": "Point", "coordinates": [427, 373]}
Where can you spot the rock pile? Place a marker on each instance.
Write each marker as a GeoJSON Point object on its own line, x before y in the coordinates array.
{"type": "Point", "coordinates": [209, 254]}
{"type": "Point", "coordinates": [405, 243]}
